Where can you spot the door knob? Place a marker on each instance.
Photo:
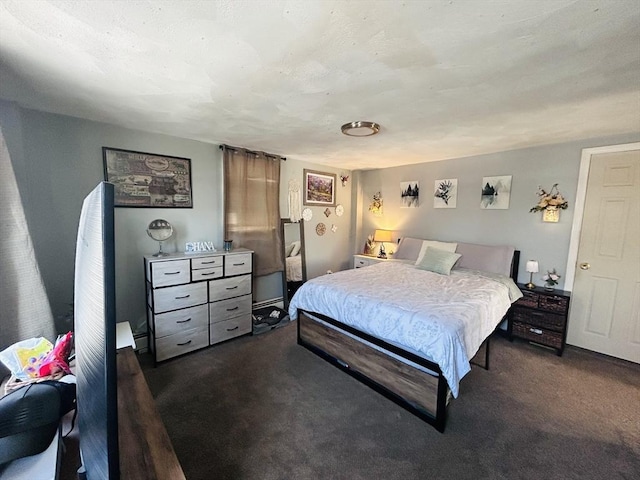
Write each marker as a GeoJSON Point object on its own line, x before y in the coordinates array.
{"type": "Point", "coordinates": [585, 266]}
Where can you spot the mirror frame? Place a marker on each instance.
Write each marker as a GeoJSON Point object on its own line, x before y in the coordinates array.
{"type": "Point", "coordinates": [285, 289]}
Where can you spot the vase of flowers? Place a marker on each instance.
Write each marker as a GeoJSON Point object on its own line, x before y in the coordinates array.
{"type": "Point", "coordinates": [550, 279]}
{"type": "Point", "coordinates": [551, 200]}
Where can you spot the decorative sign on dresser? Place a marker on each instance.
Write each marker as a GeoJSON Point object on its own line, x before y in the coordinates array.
{"type": "Point", "coordinates": [540, 316]}
{"type": "Point", "coordinates": [197, 299]}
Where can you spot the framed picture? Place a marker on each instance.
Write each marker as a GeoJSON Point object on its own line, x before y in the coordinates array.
{"type": "Point", "coordinates": [496, 192]}
{"type": "Point", "coordinates": [148, 179]}
{"type": "Point", "coordinates": [319, 188]}
{"type": "Point", "coordinates": [409, 194]}
{"type": "Point", "coordinates": [445, 193]}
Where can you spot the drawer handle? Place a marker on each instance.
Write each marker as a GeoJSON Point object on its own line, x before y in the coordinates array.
{"type": "Point", "coordinates": [207, 263]}
{"type": "Point", "coordinates": [209, 273]}
{"type": "Point", "coordinates": [183, 344]}
{"type": "Point", "coordinates": [232, 309]}
{"type": "Point", "coordinates": [183, 321]}
{"type": "Point", "coordinates": [232, 329]}
{"type": "Point", "coordinates": [238, 264]}
{"type": "Point", "coordinates": [171, 273]}
{"type": "Point", "coordinates": [537, 331]}
{"type": "Point", "coordinates": [536, 314]}
{"type": "Point", "coordinates": [232, 288]}
{"type": "Point", "coordinates": [183, 297]}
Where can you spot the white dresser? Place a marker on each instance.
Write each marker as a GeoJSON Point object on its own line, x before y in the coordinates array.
{"type": "Point", "coordinates": [196, 300]}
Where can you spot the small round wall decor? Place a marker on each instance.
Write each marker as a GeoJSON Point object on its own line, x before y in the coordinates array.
{"type": "Point", "coordinates": [339, 210]}
{"type": "Point", "coordinates": [307, 214]}
{"type": "Point", "coordinates": [320, 229]}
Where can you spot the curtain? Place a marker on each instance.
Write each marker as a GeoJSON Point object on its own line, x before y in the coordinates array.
{"type": "Point", "coordinates": [252, 206]}
{"type": "Point", "coordinates": [24, 306]}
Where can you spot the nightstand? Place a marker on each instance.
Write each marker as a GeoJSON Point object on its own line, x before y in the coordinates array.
{"type": "Point", "coordinates": [540, 317]}
{"type": "Point", "coordinates": [360, 261]}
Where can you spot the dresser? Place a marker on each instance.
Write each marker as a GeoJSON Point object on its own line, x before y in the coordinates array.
{"type": "Point", "coordinates": [197, 300]}
{"type": "Point", "coordinates": [540, 316]}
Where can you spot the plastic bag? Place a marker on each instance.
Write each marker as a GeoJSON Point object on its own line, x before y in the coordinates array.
{"type": "Point", "coordinates": [25, 357]}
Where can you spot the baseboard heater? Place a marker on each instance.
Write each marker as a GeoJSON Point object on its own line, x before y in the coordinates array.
{"type": "Point", "coordinates": [272, 302]}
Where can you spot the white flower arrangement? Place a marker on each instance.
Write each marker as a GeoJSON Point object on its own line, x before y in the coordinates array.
{"type": "Point", "coordinates": [552, 199]}
{"type": "Point", "coordinates": [551, 278]}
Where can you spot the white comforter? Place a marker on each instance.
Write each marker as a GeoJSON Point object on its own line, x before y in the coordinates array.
{"type": "Point", "coordinates": [442, 318]}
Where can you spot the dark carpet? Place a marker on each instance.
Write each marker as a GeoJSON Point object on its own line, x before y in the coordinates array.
{"type": "Point", "coordinates": [262, 407]}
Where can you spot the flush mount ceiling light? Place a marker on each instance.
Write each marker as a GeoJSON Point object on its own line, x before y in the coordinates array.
{"type": "Point", "coordinates": [360, 129]}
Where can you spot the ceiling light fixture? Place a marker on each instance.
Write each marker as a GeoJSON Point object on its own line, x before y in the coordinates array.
{"type": "Point", "coordinates": [360, 129]}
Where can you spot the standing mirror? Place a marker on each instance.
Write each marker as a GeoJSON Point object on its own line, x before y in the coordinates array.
{"type": "Point", "coordinates": [295, 272]}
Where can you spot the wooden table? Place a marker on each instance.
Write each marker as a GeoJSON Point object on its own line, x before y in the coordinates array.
{"type": "Point", "coordinates": [145, 449]}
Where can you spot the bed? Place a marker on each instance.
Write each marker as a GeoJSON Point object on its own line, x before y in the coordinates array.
{"type": "Point", "coordinates": [294, 268]}
{"type": "Point", "coordinates": [409, 327]}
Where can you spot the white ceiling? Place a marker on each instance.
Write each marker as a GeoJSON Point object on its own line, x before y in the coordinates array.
{"type": "Point", "coordinates": [445, 79]}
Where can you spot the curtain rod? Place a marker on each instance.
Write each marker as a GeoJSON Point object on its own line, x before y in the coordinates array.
{"type": "Point", "coordinates": [275, 157]}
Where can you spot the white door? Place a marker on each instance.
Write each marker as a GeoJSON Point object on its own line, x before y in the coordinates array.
{"type": "Point", "coordinates": [605, 305]}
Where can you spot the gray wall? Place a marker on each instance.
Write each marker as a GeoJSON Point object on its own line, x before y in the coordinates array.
{"type": "Point", "coordinates": [58, 160]}
{"type": "Point", "coordinates": [546, 242]}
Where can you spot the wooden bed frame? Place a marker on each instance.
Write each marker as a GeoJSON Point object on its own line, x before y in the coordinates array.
{"type": "Point", "coordinates": [424, 394]}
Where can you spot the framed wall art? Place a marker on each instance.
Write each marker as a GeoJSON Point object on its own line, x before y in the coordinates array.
{"type": "Point", "coordinates": [319, 188]}
{"type": "Point", "coordinates": [148, 179]}
{"type": "Point", "coordinates": [445, 194]}
{"type": "Point", "coordinates": [496, 192]}
{"type": "Point", "coordinates": [409, 194]}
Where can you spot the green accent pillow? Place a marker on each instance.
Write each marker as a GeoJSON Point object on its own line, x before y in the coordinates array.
{"type": "Point", "coordinates": [438, 261]}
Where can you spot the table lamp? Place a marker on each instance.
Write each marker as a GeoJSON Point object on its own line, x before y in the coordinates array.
{"type": "Point", "coordinates": [532, 267]}
{"type": "Point", "coordinates": [382, 236]}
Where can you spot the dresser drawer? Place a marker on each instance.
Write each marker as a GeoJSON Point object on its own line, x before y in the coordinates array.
{"type": "Point", "coordinates": [229, 287]}
{"type": "Point", "coordinates": [232, 307]}
{"type": "Point", "coordinates": [537, 334]}
{"type": "Point", "coordinates": [170, 272]}
{"type": "Point", "coordinates": [182, 342]}
{"type": "Point", "coordinates": [227, 329]}
{"type": "Point", "coordinates": [207, 262]}
{"type": "Point", "coordinates": [182, 296]}
{"type": "Point", "coordinates": [237, 264]}
{"type": "Point", "coordinates": [206, 273]}
{"type": "Point", "coordinates": [539, 318]}
{"type": "Point", "coordinates": [181, 320]}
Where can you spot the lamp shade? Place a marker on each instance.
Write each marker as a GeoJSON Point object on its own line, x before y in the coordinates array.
{"type": "Point", "coordinates": [532, 266]}
{"type": "Point", "coordinates": [382, 236]}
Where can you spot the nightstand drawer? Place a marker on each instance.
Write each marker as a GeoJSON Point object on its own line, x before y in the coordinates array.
{"type": "Point", "coordinates": [537, 334]}
{"type": "Point", "coordinates": [554, 303]}
{"type": "Point", "coordinates": [529, 299]}
{"type": "Point", "coordinates": [539, 319]}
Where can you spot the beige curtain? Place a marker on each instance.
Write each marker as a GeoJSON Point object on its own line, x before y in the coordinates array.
{"type": "Point", "coordinates": [24, 305]}
{"type": "Point", "coordinates": [252, 206]}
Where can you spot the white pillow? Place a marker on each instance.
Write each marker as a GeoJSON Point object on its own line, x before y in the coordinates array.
{"type": "Point", "coordinates": [288, 249]}
{"type": "Point", "coordinates": [447, 247]}
{"type": "Point", "coordinates": [296, 248]}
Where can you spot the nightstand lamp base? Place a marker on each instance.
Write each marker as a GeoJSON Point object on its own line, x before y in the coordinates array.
{"type": "Point", "coordinates": [530, 286]}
